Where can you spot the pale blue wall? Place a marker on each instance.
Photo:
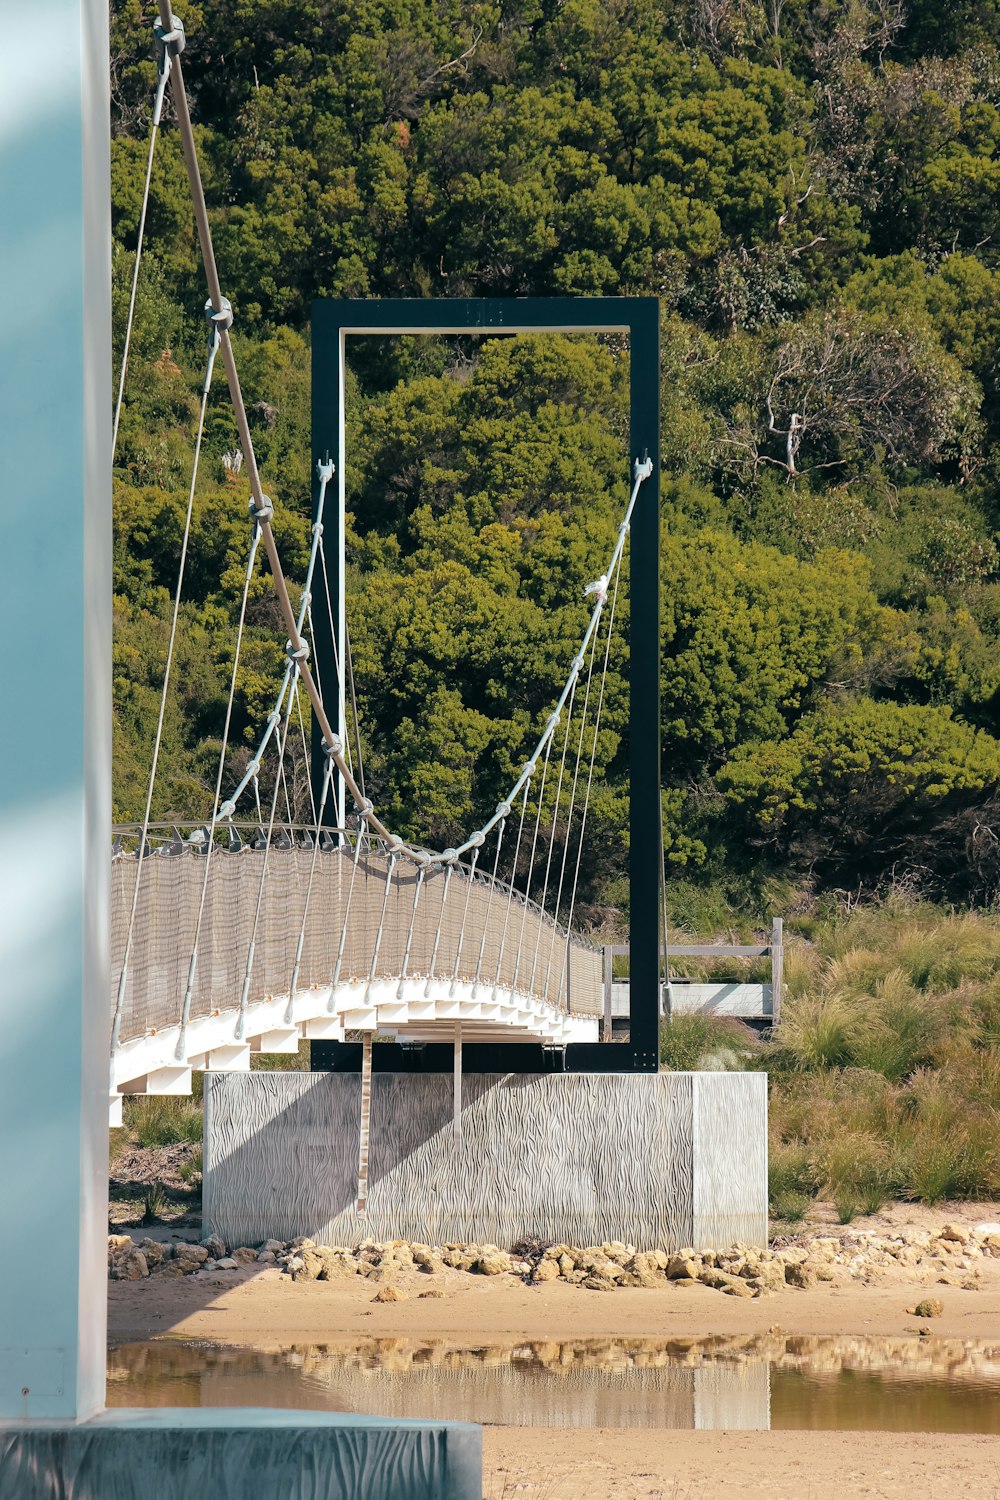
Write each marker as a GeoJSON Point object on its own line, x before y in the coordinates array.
{"type": "Point", "coordinates": [55, 718]}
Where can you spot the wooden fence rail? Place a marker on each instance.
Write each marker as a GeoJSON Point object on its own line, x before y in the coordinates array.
{"type": "Point", "coordinates": [774, 949]}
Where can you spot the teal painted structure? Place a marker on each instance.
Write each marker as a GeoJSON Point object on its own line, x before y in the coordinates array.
{"type": "Point", "coordinates": [55, 671]}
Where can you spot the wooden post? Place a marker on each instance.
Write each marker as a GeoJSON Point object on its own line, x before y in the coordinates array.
{"type": "Point", "coordinates": [777, 969]}
{"type": "Point", "coordinates": [606, 1027]}
{"type": "Point", "coordinates": [366, 1113]}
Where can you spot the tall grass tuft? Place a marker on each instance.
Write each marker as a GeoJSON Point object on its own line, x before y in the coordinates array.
{"type": "Point", "coordinates": [696, 1043]}
{"type": "Point", "coordinates": [885, 1071]}
{"type": "Point", "coordinates": [162, 1121]}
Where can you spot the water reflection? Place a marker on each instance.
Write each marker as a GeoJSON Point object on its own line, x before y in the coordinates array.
{"type": "Point", "coordinates": [759, 1381]}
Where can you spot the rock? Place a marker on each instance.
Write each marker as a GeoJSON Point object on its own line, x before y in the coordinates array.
{"type": "Point", "coordinates": [197, 1254]}
{"type": "Point", "coordinates": [215, 1247]}
{"type": "Point", "coordinates": [598, 1284]}
{"type": "Point", "coordinates": [493, 1263]}
{"type": "Point", "coordinates": [266, 1257]}
{"type": "Point", "coordinates": [681, 1281]}
{"type": "Point", "coordinates": [275, 1246]}
{"type": "Point", "coordinates": [956, 1233]}
{"type": "Point", "coordinates": [792, 1255]}
{"type": "Point", "coordinates": [129, 1267]}
{"type": "Point", "coordinates": [683, 1268]}
{"type": "Point", "coordinates": [799, 1274]}
{"type": "Point", "coordinates": [546, 1270]}
{"type": "Point", "coordinates": [991, 1245]}
{"type": "Point", "coordinates": [567, 1265]}
{"type": "Point", "coordinates": [824, 1249]}
{"type": "Point", "coordinates": [244, 1256]}
{"type": "Point", "coordinates": [153, 1251]}
{"type": "Point", "coordinates": [389, 1294]}
{"type": "Point", "coordinates": [293, 1264]}
{"type": "Point", "coordinates": [119, 1244]}
{"type": "Point", "coordinates": [930, 1307]}
{"type": "Point", "coordinates": [318, 1263]}
{"type": "Point", "coordinates": [302, 1243]}
{"type": "Point", "coordinates": [227, 1263]}
{"type": "Point", "coordinates": [711, 1276]}
{"type": "Point", "coordinates": [431, 1292]}
{"type": "Point", "coordinates": [985, 1230]}
{"type": "Point", "coordinates": [736, 1287]}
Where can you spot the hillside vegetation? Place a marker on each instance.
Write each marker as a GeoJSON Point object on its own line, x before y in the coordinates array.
{"type": "Point", "coordinates": [811, 189]}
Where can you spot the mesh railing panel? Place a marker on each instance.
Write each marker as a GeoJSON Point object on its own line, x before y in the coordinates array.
{"type": "Point", "coordinates": [522, 949]}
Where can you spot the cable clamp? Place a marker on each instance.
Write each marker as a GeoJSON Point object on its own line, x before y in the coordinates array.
{"type": "Point", "coordinates": [503, 809]}
{"type": "Point", "coordinates": [325, 469]}
{"type": "Point", "coordinates": [297, 653]}
{"type": "Point", "coordinates": [365, 806]}
{"type": "Point", "coordinates": [449, 856]}
{"type": "Point", "coordinates": [170, 43]}
{"type": "Point", "coordinates": [266, 511]}
{"type": "Point", "coordinates": [334, 746]}
{"type": "Point", "coordinates": [253, 769]}
{"type": "Point", "coordinates": [274, 717]}
{"type": "Point", "coordinates": [226, 811]}
{"type": "Point", "coordinates": [317, 529]}
{"type": "Point", "coordinates": [393, 843]}
{"type": "Point", "coordinates": [577, 666]}
{"type": "Point", "coordinates": [420, 858]}
{"type": "Point", "coordinates": [222, 320]}
{"type": "Point", "coordinates": [624, 528]}
{"type": "Point", "coordinates": [554, 721]}
{"type": "Point", "coordinates": [476, 840]}
{"type": "Point", "coordinates": [529, 768]}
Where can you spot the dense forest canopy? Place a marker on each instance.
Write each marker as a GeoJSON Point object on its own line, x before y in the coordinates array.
{"type": "Point", "coordinates": [812, 189]}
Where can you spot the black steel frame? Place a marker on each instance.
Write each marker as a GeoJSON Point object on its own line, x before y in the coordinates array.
{"type": "Point", "coordinates": [638, 317]}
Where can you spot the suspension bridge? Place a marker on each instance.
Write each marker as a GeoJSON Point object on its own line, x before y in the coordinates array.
{"type": "Point", "coordinates": [247, 932]}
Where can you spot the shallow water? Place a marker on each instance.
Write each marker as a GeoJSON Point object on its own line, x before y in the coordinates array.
{"type": "Point", "coordinates": [770, 1380]}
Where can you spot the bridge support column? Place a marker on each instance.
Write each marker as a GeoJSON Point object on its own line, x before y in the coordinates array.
{"type": "Point", "coordinates": [55, 823]}
{"type": "Point", "coordinates": [55, 666]}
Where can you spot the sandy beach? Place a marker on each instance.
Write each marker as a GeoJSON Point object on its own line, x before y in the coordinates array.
{"type": "Point", "coordinates": [265, 1309]}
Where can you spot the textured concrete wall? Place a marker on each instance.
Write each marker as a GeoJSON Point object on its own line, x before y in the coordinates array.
{"type": "Point", "coordinates": [295, 1455]}
{"type": "Point", "coordinates": [656, 1160]}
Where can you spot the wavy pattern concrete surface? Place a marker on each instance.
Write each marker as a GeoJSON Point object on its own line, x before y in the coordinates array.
{"type": "Point", "coordinates": [655, 1160]}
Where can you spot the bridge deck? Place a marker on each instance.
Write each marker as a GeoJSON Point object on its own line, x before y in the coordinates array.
{"type": "Point", "coordinates": [467, 953]}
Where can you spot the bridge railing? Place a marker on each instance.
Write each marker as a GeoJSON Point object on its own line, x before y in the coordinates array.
{"type": "Point", "coordinates": [481, 934]}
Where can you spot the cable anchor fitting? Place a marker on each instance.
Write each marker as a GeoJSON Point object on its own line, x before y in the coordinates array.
{"type": "Point", "coordinates": [325, 468]}
{"type": "Point", "coordinates": [643, 468]}
{"type": "Point", "coordinates": [364, 807]}
{"type": "Point", "coordinates": [266, 511]}
{"type": "Point", "coordinates": [222, 320]}
{"type": "Point", "coordinates": [169, 43]}
{"type": "Point", "coordinates": [334, 746]}
{"type": "Point", "coordinates": [297, 653]}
